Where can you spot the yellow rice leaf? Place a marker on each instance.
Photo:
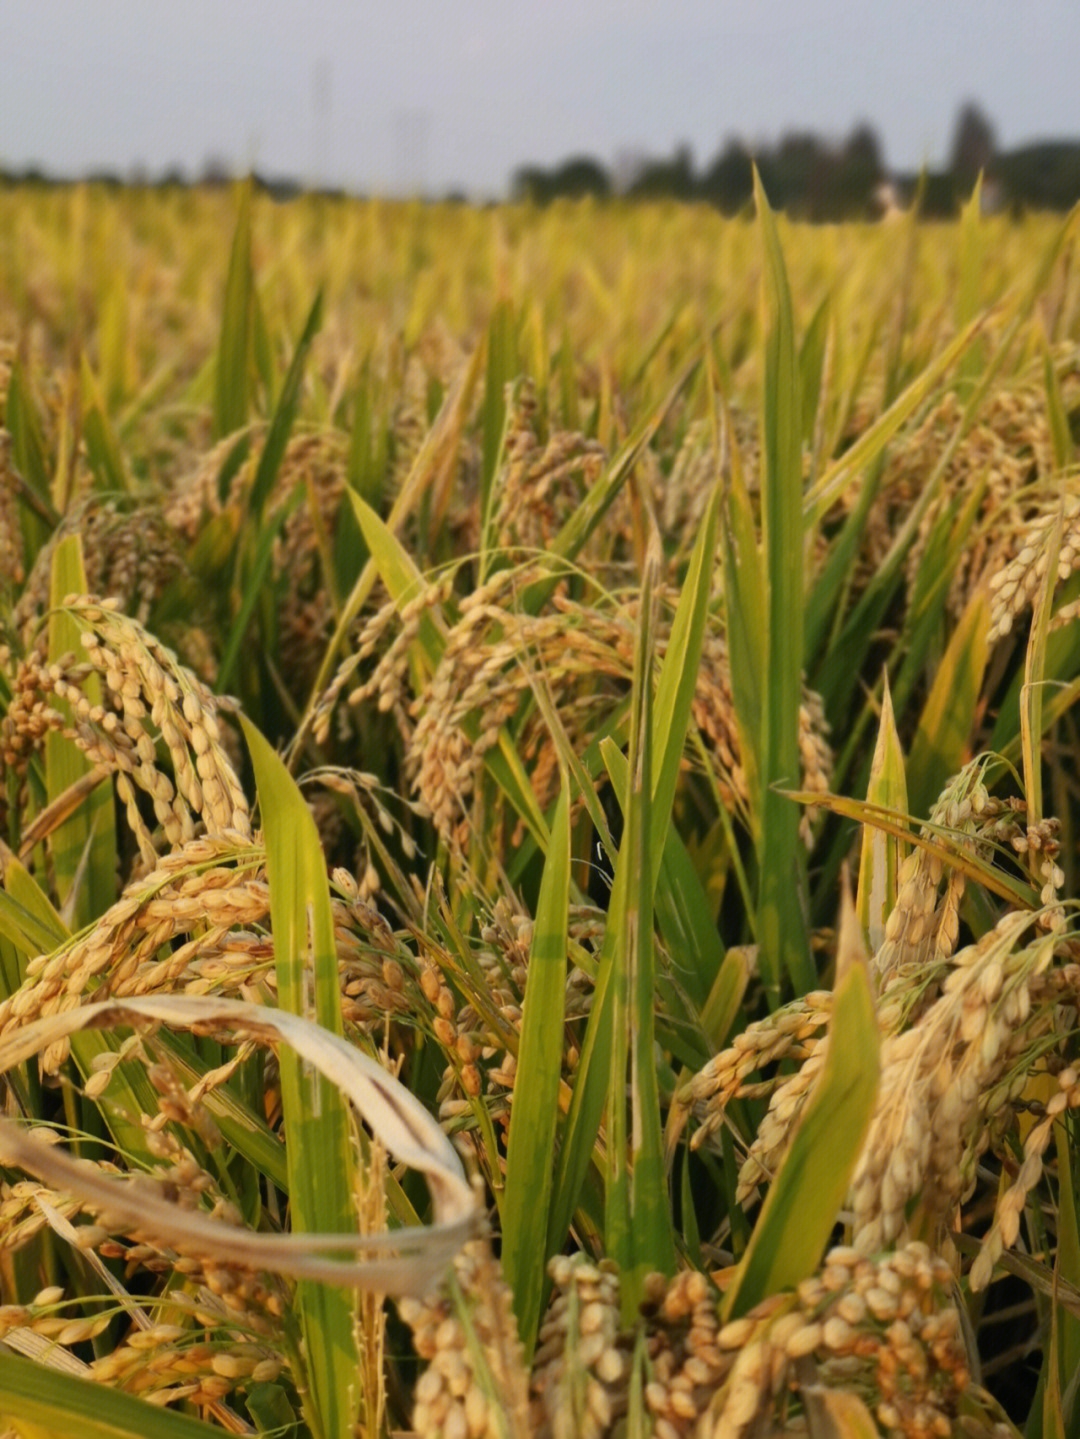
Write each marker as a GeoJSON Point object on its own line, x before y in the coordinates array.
{"type": "Point", "coordinates": [801, 1206]}
{"type": "Point", "coordinates": [882, 853]}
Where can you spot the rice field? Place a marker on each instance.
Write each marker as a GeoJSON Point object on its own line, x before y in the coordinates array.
{"type": "Point", "coordinates": [538, 820]}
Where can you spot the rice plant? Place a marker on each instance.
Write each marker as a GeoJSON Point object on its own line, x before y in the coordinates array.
{"type": "Point", "coordinates": [538, 820]}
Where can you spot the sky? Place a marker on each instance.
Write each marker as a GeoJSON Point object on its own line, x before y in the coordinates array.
{"type": "Point", "coordinates": [435, 96]}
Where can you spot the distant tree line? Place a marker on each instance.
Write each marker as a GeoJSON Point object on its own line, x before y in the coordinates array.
{"type": "Point", "coordinates": [817, 180]}
{"type": "Point", "coordinates": [809, 177]}
{"type": "Point", "coordinates": [215, 174]}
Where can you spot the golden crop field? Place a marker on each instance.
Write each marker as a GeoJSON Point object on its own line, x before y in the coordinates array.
{"type": "Point", "coordinates": [538, 820]}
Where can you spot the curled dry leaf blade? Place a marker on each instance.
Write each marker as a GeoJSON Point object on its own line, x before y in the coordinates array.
{"type": "Point", "coordinates": [414, 1259]}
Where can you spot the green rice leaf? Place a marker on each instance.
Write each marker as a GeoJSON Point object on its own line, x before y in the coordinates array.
{"type": "Point", "coordinates": [687, 922]}
{"type": "Point", "coordinates": [1061, 687]}
{"type": "Point", "coordinates": [277, 437]}
{"type": "Point", "coordinates": [265, 368]}
{"type": "Point", "coordinates": [591, 1083]}
{"type": "Point", "coordinates": [252, 586]}
{"type": "Point", "coordinates": [31, 480]}
{"type": "Point", "coordinates": [801, 1205]}
{"type": "Point", "coordinates": [533, 1120]}
{"type": "Point", "coordinates": [781, 923]}
{"type": "Point", "coordinates": [677, 682]}
{"type": "Point", "coordinates": [103, 449]}
{"type": "Point", "coordinates": [848, 467]}
{"type": "Point", "coordinates": [27, 916]}
{"type": "Point", "coordinates": [250, 569]}
{"type": "Point", "coordinates": [57, 1404]}
{"type": "Point", "coordinates": [234, 370]}
{"type": "Point", "coordinates": [832, 582]}
{"type": "Point", "coordinates": [1067, 1269]}
{"type": "Point", "coordinates": [682, 907]}
{"type": "Point", "coordinates": [401, 576]}
{"type": "Point", "coordinates": [369, 441]}
{"type": "Point", "coordinates": [726, 995]}
{"type": "Point", "coordinates": [811, 367]}
{"type": "Point", "coordinates": [637, 1218]}
{"type": "Point", "coordinates": [23, 422]}
{"type": "Point", "coordinates": [115, 346]}
{"type": "Point", "coordinates": [1060, 434]}
{"type": "Point", "coordinates": [745, 613]}
{"type": "Point", "coordinates": [270, 1409]}
{"type": "Point", "coordinates": [569, 400]}
{"type": "Point", "coordinates": [691, 1235]}
{"type": "Point", "coordinates": [502, 369]}
{"type": "Point", "coordinates": [1031, 696]}
{"type": "Point", "coordinates": [940, 745]}
{"type": "Point", "coordinates": [1053, 1411]}
{"type": "Point", "coordinates": [972, 268]}
{"type": "Point", "coordinates": [319, 1154]}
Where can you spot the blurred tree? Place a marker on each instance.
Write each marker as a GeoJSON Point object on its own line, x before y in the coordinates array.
{"type": "Point", "coordinates": [728, 183]}
{"type": "Point", "coordinates": [937, 195]}
{"type": "Point", "coordinates": [974, 146]}
{"type": "Point", "coordinates": [1043, 176]}
{"type": "Point", "coordinates": [661, 179]}
{"type": "Point", "coordinates": [573, 179]}
{"type": "Point", "coordinates": [795, 171]}
{"type": "Point", "coordinates": [861, 170]}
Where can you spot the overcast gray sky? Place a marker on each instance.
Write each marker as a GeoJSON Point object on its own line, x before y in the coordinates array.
{"type": "Point", "coordinates": [441, 94]}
